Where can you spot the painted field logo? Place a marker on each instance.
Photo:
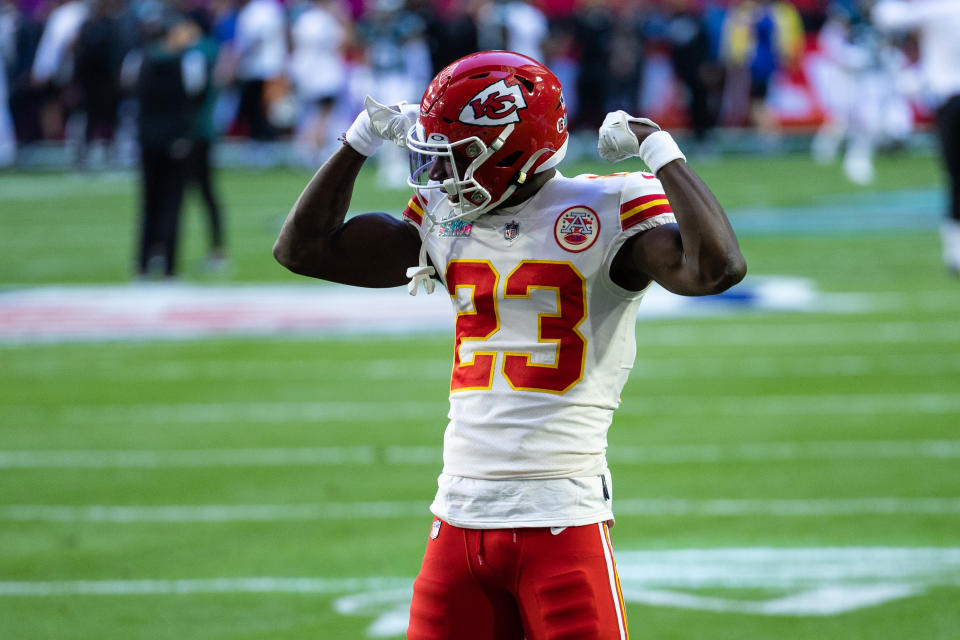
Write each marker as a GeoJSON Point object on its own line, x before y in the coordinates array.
{"type": "Point", "coordinates": [577, 229]}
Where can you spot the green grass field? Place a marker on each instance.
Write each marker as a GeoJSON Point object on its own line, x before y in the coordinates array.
{"type": "Point", "coordinates": [278, 487]}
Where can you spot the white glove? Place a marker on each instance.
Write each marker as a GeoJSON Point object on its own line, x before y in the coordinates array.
{"type": "Point", "coordinates": [392, 123]}
{"type": "Point", "coordinates": [378, 122]}
{"type": "Point", "coordinates": [617, 141]}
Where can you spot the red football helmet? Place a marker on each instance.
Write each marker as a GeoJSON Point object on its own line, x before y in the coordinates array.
{"type": "Point", "coordinates": [497, 117]}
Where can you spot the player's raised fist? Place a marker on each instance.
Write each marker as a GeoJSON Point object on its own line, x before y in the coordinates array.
{"type": "Point", "coordinates": [622, 134]}
{"type": "Point", "coordinates": [378, 122]}
{"type": "Point", "coordinates": [393, 122]}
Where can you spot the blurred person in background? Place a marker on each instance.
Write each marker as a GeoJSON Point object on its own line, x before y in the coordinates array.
{"type": "Point", "coordinates": [223, 26]}
{"type": "Point", "coordinates": [937, 23]}
{"type": "Point", "coordinates": [171, 82]}
{"type": "Point", "coordinates": [197, 12]}
{"type": "Point", "coordinates": [200, 169]}
{"type": "Point", "coordinates": [318, 69]}
{"type": "Point", "coordinates": [9, 23]}
{"type": "Point", "coordinates": [452, 34]}
{"type": "Point", "coordinates": [857, 81]}
{"type": "Point", "coordinates": [593, 30]}
{"type": "Point", "coordinates": [626, 59]}
{"type": "Point", "coordinates": [98, 56]}
{"type": "Point", "coordinates": [26, 98]}
{"type": "Point", "coordinates": [760, 38]}
{"type": "Point", "coordinates": [832, 77]}
{"type": "Point", "coordinates": [686, 34]}
{"type": "Point", "coordinates": [260, 47]}
{"type": "Point", "coordinates": [52, 71]}
{"type": "Point", "coordinates": [511, 25]}
{"type": "Point", "coordinates": [398, 58]}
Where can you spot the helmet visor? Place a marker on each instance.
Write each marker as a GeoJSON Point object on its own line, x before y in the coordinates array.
{"type": "Point", "coordinates": [436, 163]}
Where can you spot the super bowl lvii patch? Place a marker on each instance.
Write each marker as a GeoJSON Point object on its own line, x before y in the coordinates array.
{"type": "Point", "coordinates": [455, 229]}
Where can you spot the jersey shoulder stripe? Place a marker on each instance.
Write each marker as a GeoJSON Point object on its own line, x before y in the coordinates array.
{"type": "Point", "coordinates": [635, 211]}
{"type": "Point", "coordinates": [414, 210]}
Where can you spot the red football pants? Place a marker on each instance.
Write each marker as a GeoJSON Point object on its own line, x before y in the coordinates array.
{"type": "Point", "coordinates": [509, 584]}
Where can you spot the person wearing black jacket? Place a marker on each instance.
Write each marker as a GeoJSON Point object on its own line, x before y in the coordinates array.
{"type": "Point", "coordinates": [170, 82]}
{"type": "Point", "coordinates": [97, 57]}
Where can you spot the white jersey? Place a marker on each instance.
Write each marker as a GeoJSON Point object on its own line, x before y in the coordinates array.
{"type": "Point", "coordinates": [544, 344]}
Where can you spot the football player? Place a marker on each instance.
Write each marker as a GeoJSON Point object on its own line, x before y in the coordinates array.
{"type": "Point", "coordinates": [545, 273]}
{"type": "Point", "coordinates": [936, 24]}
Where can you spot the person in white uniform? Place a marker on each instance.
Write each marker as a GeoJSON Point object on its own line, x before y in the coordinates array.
{"type": "Point", "coordinates": [260, 45]}
{"type": "Point", "coordinates": [319, 73]}
{"type": "Point", "coordinates": [857, 76]}
{"type": "Point", "coordinates": [937, 22]}
{"type": "Point", "coordinates": [544, 273]}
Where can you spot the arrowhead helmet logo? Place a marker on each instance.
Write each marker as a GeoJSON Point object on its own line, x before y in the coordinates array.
{"type": "Point", "coordinates": [497, 104]}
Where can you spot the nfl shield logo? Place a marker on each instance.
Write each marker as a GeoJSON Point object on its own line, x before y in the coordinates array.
{"type": "Point", "coordinates": [435, 529]}
{"type": "Point", "coordinates": [511, 231]}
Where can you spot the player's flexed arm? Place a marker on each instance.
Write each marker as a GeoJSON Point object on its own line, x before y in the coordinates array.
{"type": "Point", "coordinates": [698, 256]}
{"type": "Point", "coordinates": [371, 250]}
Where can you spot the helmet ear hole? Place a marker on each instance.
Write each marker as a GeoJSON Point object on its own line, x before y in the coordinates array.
{"type": "Point", "coordinates": [510, 160]}
{"type": "Point", "coordinates": [527, 83]}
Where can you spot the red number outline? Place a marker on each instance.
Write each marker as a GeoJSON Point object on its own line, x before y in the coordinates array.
{"type": "Point", "coordinates": [560, 327]}
{"type": "Point", "coordinates": [517, 365]}
{"type": "Point", "coordinates": [465, 375]}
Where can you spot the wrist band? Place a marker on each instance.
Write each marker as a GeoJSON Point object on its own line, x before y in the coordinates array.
{"type": "Point", "coordinates": [361, 137]}
{"type": "Point", "coordinates": [658, 149]}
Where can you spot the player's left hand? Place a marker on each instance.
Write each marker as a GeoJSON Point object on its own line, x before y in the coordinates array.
{"type": "Point", "coordinates": [393, 122]}
{"type": "Point", "coordinates": [622, 134]}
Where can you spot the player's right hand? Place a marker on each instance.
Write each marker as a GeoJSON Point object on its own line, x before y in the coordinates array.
{"type": "Point", "coordinates": [392, 123]}
{"type": "Point", "coordinates": [378, 122]}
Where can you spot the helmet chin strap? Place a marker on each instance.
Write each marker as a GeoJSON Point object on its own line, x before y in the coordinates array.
{"type": "Point", "coordinates": [422, 272]}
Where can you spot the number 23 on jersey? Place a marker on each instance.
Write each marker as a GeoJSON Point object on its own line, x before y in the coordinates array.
{"type": "Point", "coordinates": [481, 324]}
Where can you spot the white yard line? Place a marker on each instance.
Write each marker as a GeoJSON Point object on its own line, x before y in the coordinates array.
{"type": "Point", "coordinates": [199, 458]}
{"type": "Point", "coordinates": [382, 510]}
{"type": "Point", "coordinates": [426, 454]}
{"type": "Point", "coordinates": [816, 404]}
{"type": "Point", "coordinates": [788, 567]}
{"type": "Point", "coordinates": [787, 507]}
{"type": "Point", "coordinates": [780, 451]}
{"type": "Point", "coordinates": [194, 586]}
{"type": "Point", "coordinates": [213, 512]}
{"type": "Point", "coordinates": [254, 412]}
